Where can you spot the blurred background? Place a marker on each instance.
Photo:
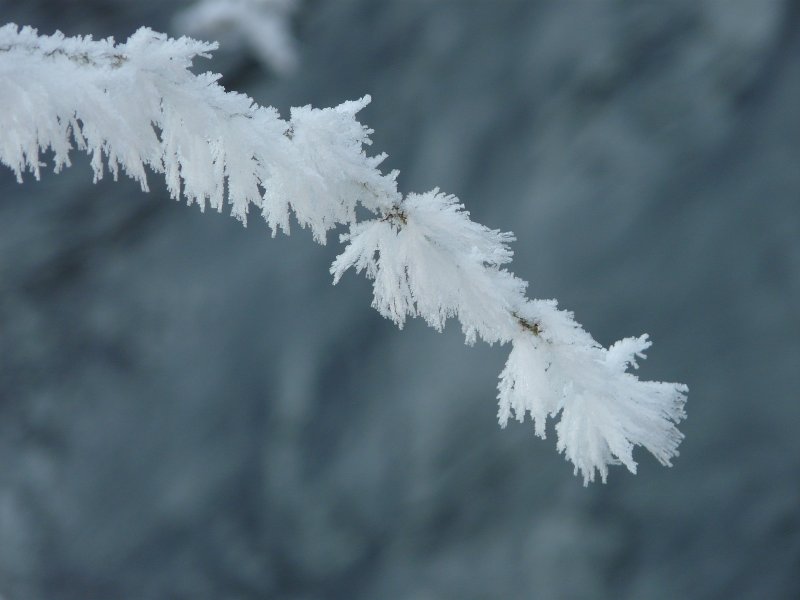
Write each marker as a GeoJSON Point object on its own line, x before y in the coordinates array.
{"type": "Point", "coordinates": [189, 410]}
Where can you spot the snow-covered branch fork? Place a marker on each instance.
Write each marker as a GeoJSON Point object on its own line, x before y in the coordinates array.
{"type": "Point", "coordinates": [137, 105]}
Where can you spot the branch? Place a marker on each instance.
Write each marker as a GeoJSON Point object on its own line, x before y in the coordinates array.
{"type": "Point", "coordinates": [137, 104]}
{"type": "Point", "coordinates": [262, 25]}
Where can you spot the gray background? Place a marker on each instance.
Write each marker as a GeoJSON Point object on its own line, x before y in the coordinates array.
{"type": "Point", "coordinates": [189, 409]}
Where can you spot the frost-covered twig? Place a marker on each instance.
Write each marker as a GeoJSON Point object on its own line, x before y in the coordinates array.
{"type": "Point", "coordinates": [262, 25]}
{"type": "Point", "coordinates": [138, 105]}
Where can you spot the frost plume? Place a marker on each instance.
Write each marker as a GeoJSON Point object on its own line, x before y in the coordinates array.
{"type": "Point", "coordinates": [604, 411]}
{"type": "Point", "coordinates": [429, 260]}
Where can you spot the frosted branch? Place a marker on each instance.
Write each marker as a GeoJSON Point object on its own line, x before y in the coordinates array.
{"type": "Point", "coordinates": [137, 104]}
{"type": "Point", "coordinates": [262, 25]}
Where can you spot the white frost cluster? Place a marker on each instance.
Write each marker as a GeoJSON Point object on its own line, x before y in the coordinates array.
{"type": "Point", "coordinates": [429, 260]}
{"type": "Point", "coordinates": [604, 411]}
{"type": "Point", "coordinates": [262, 25]}
{"type": "Point", "coordinates": [137, 104]}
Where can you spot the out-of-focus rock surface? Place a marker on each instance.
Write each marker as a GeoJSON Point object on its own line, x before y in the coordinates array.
{"type": "Point", "coordinates": [188, 409]}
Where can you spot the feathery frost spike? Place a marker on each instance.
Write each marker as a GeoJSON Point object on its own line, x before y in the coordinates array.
{"type": "Point", "coordinates": [604, 410]}
{"type": "Point", "coordinates": [429, 260]}
{"type": "Point", "coordinates": [326, 160]}
{"type": "Point", "coordinates": [137, 105]}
